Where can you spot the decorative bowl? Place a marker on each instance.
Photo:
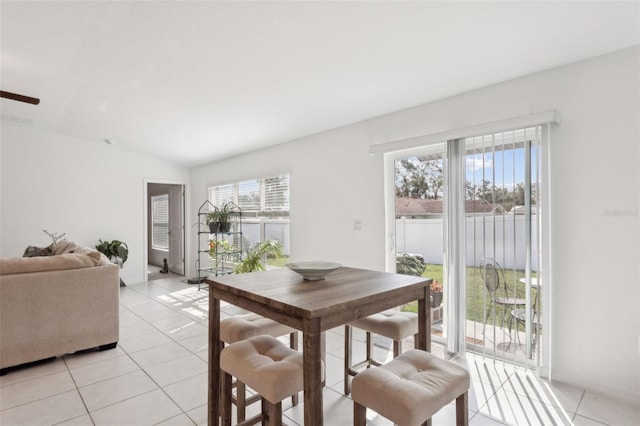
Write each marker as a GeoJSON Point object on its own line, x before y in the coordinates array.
{"type": "Point", "coordinates": [313, 270]}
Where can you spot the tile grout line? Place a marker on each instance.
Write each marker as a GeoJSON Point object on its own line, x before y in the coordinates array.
{"type": "Point", "coordinates": [153, 380]}
{"type": "Point", "coordinates": [84, 403]}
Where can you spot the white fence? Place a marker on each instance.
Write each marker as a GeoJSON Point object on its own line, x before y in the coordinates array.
{"type": "Point", "coordinates": [501, 237]}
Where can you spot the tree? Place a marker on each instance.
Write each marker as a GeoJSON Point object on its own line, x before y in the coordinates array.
{"type": "Point", "coordinates": [419, 178]}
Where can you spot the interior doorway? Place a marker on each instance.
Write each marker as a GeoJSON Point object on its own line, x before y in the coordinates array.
{"type": "Point", "coordinates": [165, 230]}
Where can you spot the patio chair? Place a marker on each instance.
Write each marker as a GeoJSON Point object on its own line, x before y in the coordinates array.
{"type": "Point", "coordinates": [519, 315]}
{"type": "Point", "coordinates": [496, 285]}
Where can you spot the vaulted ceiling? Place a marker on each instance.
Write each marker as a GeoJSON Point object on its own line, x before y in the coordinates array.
{"type": "Point", "coordinates": [195, 82]}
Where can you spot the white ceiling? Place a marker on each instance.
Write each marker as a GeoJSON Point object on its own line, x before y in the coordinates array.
{"type": "Point", "coordinates": [194, 82]}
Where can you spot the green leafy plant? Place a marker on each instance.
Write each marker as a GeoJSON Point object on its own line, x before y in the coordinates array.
{"type": "Point", "coordinates": [410, 265]}
{"type": "Point", "coordinates": [252, 259]}
{"type": "Point", "coordinates": [116, 251]}
{"type": "Point", "coordinates": [219, 249]}
{"type": "Point", "coordinates": [213, 216]}
{"type": "Point", "coordinates": [223, 215]}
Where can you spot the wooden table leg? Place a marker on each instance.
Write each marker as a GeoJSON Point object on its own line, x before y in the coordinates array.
{"type": "Point", "coordinates": [424, 322]}
{"type": "Point", "coordinates": [214, 359]}
{"type": "Point", "coordinates": [312, 355]}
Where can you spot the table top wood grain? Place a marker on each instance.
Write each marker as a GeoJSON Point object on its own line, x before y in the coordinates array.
{"type": "Point", "coordinates": [345, 295]}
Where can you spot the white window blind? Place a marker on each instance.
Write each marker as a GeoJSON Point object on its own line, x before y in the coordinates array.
{"type": "Point", "coordinates": [160, 222]}
{"type": "Point", "coordinates": [265, 208]}
{"type": "Point", "coordinates": [524, 121]}
{"type": "Point", "coordinates": [258, 197]}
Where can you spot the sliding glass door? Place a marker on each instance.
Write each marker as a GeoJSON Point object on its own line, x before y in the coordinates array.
{"type": "Point", "coordinates": [502, 212]}
{"type": "Point", "coordinates": [466, 213]}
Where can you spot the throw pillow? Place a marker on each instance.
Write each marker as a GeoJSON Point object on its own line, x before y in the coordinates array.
{"type": "Point", "coordinates": [33, 251]}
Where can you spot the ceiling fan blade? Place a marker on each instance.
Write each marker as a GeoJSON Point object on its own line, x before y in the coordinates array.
{"type": "Point", "coordinates": [19, 98]}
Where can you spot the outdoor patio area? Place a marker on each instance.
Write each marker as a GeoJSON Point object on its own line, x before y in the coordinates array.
{"type": "Point", "coordinates": [158, 376]}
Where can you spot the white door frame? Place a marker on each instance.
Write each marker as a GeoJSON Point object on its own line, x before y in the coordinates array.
{"type": "Point", "coordinates": [145, 227]}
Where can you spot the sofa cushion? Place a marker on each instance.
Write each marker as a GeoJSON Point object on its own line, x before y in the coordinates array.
{"type": "Point", "coordinates": [22, 265]}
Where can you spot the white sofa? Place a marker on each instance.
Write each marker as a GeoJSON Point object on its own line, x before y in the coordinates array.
{"type": "Point", "coordinates": [54, 305]}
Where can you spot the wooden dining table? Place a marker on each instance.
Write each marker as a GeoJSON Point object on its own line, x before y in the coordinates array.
{"type": "Point", "coordinates": [312, 307]}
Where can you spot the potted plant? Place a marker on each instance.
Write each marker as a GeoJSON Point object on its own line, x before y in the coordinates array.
{"type": "Point", "coordinates": [252, 260]}
{"type": "Point", "coordinates": [219, 249]}
{"type": "Point", "coordinates": [413, 265]}
{"type": "Point", "coordinates": [116, 251]}
{"type": "Point", "coordinates": [224, 213]}
{"type": "Point", "coordinates": [436, 294]}
{"type": "Point", "coordinates": [213, 220]}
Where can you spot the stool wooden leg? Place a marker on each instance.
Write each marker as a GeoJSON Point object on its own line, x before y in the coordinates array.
{"type": "Point", "coordinates": [272, 413]}
{"type": "Point", "coordinates": [265, 420]}
{"type": "Point", "coordinates": [369, 349]}
{"type": "Point", "coordinates": [347, 359]}
{"type": "Point", "coordinates": [359, 414]}
{"type": "Point", "coordinates": [221, 388]}
{"type": "Point", "coordinates": [397, 348]}
{"type": "Point", "coordinates": [241, 400]}
{"type": "Point", "coordinates": [293, 344]}
{"type": "Point", "coordinates": [225, 397]}
{"type": "Point", "coordinates": [462, 409]}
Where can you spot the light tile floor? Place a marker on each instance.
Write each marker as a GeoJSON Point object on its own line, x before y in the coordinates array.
{"type": "Point", "coordinates": [158, 376]}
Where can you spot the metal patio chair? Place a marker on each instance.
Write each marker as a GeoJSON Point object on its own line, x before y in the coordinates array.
{"type": "Point", "coordinates": [496, 285]}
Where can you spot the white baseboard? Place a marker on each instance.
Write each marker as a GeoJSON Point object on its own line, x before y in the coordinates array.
{"type": "Point", "coordinates": [623, 395]}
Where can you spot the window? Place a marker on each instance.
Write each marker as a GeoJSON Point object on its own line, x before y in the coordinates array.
{"type": "Point", "coordinates": [265, 207]}
{"type": "Point", "coordinates": [160, 222]}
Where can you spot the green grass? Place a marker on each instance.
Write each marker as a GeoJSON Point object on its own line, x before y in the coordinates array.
{"type": "Point", "coordinates": [477, 295]}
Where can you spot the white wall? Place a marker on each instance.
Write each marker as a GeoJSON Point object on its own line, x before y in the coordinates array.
{"type": "Point", "coordinates": [333, 182]}
{"type": "Point", "coordinates": [87, 189]}
{"type": "Point", "coordinates": [594, 171]}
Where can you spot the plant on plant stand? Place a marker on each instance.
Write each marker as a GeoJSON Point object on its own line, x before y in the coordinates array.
{"type": "Point", "coordinates": [213, 220]}
{"type": "Point", "coordinates": [219, 249]}
{"type": "Point", "coordinates": [224, 213]}
{"type": "Point", "coordinates": [116, 251]}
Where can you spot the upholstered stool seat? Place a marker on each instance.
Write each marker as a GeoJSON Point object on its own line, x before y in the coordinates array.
{"type": "Point", "coordinates": [268, 366]}
{"type": "Point", "coordinates": [395, 325]}
{"type": "Point", "coordinates": [409, 389]}
{"type": "Point", "coordinates": [237, 328]}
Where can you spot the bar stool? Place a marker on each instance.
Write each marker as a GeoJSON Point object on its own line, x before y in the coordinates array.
{"type": "Point", "coordinates": [235, 329]}
{"type": "Point", "coordinates": [392, 324]}
{"type": "Point", "coordinates": [410, 389]}
{"type": "Point", "coordinates": [269, 367]}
